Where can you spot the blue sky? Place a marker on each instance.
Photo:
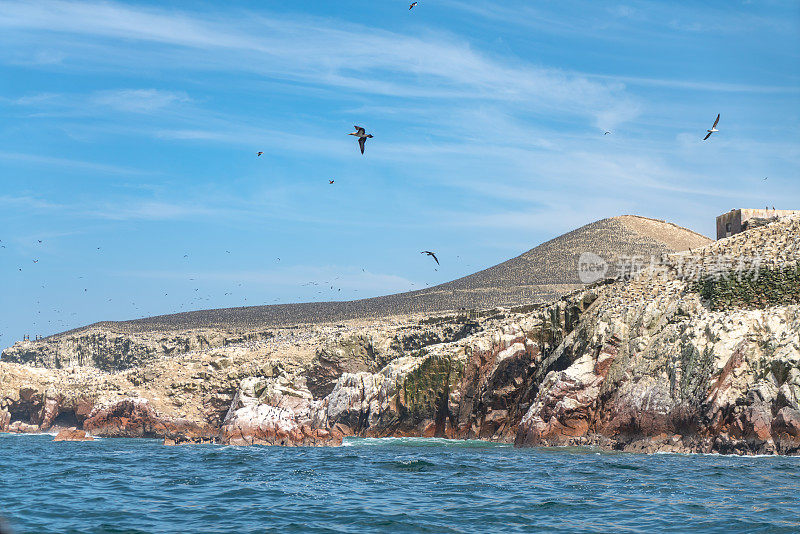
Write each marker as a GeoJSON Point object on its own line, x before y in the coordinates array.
{"type": "Point", "coordinates": [133, 127]}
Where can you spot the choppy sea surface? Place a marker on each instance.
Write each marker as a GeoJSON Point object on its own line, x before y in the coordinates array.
{"type": "Point", "coordinates": [386, 485]}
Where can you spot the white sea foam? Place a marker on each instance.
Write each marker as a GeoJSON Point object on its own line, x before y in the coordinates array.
{"type": "Point", "coordinates": [351, 441]}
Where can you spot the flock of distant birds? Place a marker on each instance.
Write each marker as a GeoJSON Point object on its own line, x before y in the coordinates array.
{"type": "Point", "coordinates": [361, 134]}
{"type": "Point", "coordinates": [186, 257]}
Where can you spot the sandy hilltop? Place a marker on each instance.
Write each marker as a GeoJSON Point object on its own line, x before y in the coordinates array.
{"type": "Point", "coordinates": [685, 345]}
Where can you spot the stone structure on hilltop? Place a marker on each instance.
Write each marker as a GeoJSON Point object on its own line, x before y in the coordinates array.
{"type": "Point", "coordinates": [739, 220]}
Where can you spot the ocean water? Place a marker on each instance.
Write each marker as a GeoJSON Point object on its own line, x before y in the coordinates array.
{"type": "Point", "coordinates": [386, 485]}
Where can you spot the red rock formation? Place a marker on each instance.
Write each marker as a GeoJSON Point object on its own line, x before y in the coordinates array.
{"type": "Point", "coordinates": [5, 420]}
{"type": "Point", "coordinates": [50, 410]}
{"type": "Point", "coordinates": [270, 425]}
{"type": "Point", "coordinates": [489, 400]}
{"type": "Point", "coordinates": [137, 419]}
{"type": "Point", "coordinates": [83, 408]}
{"type": "Point", "coordinates": [72, 434]}
{"type": "Point", "coordinates": [565, 407]}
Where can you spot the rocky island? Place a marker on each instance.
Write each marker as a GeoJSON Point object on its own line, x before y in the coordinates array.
{"type": "Point", "coordinates": [684, 345]}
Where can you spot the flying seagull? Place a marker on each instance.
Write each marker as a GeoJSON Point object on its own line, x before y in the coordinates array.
{"type": "Point", "coordinates": [431, 254]}
{"type": "Point", "coordinates": [362, 137]}
{"type": "Point", "coordinates": [413, 5]}
{"type": "Point", "coordinates": [330, 181]}
{"type": "Point", "coordinates": [606, 132]}
{"type": "Point", "coordinates": [259, 153]}
{"type": "Point", "coordinates": [713, 128]}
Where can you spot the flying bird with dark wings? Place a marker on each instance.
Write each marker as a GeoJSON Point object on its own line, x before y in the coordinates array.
{"type": "Point", "coordinates": [330, 181]}
{"type": "Point", "coordinates": [713, 128]}
{"type": "Point", "coordinates": [413, 5]}
{"type": "Point", "coordinates": [432, 255]}
{"type": "Point", "coordinates": [362, 136]}
{"type": "Point", "coordinates": [259, 153]}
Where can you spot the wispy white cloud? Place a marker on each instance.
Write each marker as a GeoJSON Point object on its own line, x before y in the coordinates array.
{"type": "Point", "coordinates": [127, 208]}
{"type": "Point", "coordinates": [37, 159]}
{"type": "Point", "coordinates": [150, 211]}
{"type": "Point", "coordinates": [602, 21]}
{"type": "Point", "coordinates": [699, 85]}
{"type": "Point", "coordinates": [38, 99]}
{"type": "Point", "coordinates": [48, 57]}
{"type": "Point", "coordinates": [139, 100]}
{"type": "Point", "coordinates": [317, 52]}
{"type": "Point", "coordinates": [100, 102]}
{"type": "Point", "coordinates": [28, 202]}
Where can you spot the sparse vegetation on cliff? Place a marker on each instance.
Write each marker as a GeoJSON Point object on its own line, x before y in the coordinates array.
{"type": "Point", "coordinates": [764, 287]}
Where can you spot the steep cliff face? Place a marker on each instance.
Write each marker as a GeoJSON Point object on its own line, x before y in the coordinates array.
{"type": "Point", "coordinates": [474, 386]}
{"type": "Point", "coordinates": [696, 353]}
{"type": "Point", "coordinates": [671, 375]}
{"type": "Point", "coordinates": [657, 366]}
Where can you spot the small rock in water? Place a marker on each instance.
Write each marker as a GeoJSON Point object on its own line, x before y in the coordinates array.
{"type": "Point", "coordinates": [72, 434]}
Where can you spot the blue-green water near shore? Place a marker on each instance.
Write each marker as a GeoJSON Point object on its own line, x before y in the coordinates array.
{"type": "Point", "coordinates": [388, 485]}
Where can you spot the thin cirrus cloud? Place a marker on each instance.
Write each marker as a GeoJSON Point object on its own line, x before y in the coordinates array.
{"type": "Point", "coordinates": [151, 211]}
{"type": "Point", "coordinates": [67, 163]}
{"type": "Point", "coordinates": [140, 210]}
{"type": "Point", "coordinates": [700, 85]}
{"type": "Point", "coordinates": [599, 20]}
{"type": "Point", "coordinates": [167, 209]}
{"type": "Point", "coordinates": [130, 100]}
{"type": "Point", "coordinates": [434, 66]}
{"type": "Point", "coordinates": [140, 100]}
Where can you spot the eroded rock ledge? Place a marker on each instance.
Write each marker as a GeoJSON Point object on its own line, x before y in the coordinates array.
{"type": "Point", "coordinates": [645, 364]}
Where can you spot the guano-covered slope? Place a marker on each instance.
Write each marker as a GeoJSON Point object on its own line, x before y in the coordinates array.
{"type": "Point", "coordinates": [539, 275]}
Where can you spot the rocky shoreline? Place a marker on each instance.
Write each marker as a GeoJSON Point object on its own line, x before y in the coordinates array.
{"type": "Point", "coordinates": [644, 364]}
